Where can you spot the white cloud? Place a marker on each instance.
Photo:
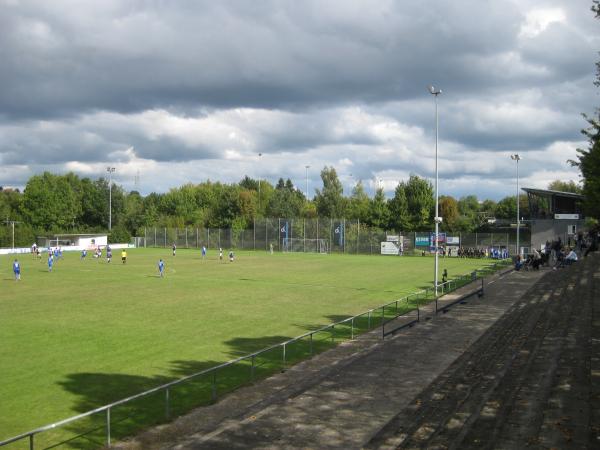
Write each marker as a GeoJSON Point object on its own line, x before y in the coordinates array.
{"type": "Point", "coordinates": [537, 20]}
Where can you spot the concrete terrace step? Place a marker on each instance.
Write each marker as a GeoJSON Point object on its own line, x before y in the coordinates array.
{"type": "Point", "coordinates": [525, 383]}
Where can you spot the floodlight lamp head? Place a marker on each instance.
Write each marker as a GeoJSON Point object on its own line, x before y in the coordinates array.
{"type": "Point", "coordinates": [515, 157]}
{"type": "Point", "coordinates": [433, 90]}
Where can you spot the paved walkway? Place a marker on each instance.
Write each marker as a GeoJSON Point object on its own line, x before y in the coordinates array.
{"type": "Point", "coordinates": [359, 393]}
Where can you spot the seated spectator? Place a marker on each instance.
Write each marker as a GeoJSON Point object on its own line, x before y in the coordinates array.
{"type": "Point", "coordinates": [571, 257]}
{"type": "Point", "coordinates": [518, 263]}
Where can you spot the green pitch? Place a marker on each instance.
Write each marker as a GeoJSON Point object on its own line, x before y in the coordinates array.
{"type": "Point", "coordinates": [90, 333]}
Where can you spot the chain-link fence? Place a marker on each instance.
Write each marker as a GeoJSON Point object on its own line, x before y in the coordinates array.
{"type": "Point", "coordinates": [318, 235]}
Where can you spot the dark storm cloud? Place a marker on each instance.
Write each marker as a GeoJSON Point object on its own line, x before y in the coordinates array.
{"type": "Point", "coordinates": [62, 59]}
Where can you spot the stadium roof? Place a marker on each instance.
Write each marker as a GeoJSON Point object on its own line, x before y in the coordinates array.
{"type": "Point", "coordinates": [555, 193]}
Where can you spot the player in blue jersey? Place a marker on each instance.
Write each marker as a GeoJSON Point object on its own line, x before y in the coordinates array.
{"type": "Point", "coordinates": [161, 268]}
{"type": "Point", "coordinates": [50, 262]}
{"type": "Point", "coordinates": [83, 253]}
{"type": "Point", "coordinates": [203, 252]}
{"type": "Point", "coordinates": [17, 270]}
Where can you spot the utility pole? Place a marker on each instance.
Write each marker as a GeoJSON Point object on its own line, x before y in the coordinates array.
{"type": "Point", "coordinates": [12, 223]}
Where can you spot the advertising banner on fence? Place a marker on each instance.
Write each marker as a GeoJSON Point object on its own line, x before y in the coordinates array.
{"type": "Point", "coordinates": [421, 241]}
{"type": "Point", "coordinates": [283, 233]}
{"type": "Point", "coordinates": [453, 240]}
{"type": "Point", "coordinates": [441, 239]}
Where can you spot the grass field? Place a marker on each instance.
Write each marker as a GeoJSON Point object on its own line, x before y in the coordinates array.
{"type": "Point", "coordinates": [90, 333]}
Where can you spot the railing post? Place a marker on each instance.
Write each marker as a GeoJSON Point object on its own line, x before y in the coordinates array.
{"type": "Point", "coordinates": [311, 344]}
{"type": "Point", "coordinates": [369, 321]}
{"type": "Point", "coordinates": [283, 356]}
{"type": "Point", "coordinates": [31, 442]}
{"type": "Point", "coordinates": [108, 427]}
{"type": "Point", "coordinates": [167, 408]}
{"type": "Point", "coordinates": [252, 369]}
{"type": "Point", "coordinates": [352, 329]}
{"type": "Point", "coordinates": [332, 333]}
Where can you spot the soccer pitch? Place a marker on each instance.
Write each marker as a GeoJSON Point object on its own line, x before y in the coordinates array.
{"type": "Point", "coordinates": [90, 333]}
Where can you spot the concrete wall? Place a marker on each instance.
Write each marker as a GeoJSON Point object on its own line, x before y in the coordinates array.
{"type": "Point", "coordinates": [543, 230]}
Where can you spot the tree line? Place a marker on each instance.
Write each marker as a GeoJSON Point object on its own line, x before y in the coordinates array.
{"type": "Point", "coordinates": [52, 203]}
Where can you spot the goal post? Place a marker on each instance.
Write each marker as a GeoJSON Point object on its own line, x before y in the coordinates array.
{"type": "Point", "coordinates": [305, 245]}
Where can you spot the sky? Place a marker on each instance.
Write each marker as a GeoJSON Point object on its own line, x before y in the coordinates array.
{"type": "Point", "coordinates": [175, 92]}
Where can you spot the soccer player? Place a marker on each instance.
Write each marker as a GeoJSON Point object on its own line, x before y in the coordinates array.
{"type": "Point", "coordinates": [220, 254]}
{"type": "Point", "coordinates": [161, 268]}
{"type": "Point", "coordinates": [108, 254]}
{"type": "Point", "coordinates": [230, 255]}
{"type": "Point", "coordinates": [83, 254]}
{"type": "Point", "coordinates": [17, 270]}
{"type": "Point", "coordinates": [203, 252]}
{"type": "Point", "coordinates": [123, 256]}
{"type": "Point", "coordinates": [174, 248]}
{"type": "Point", "coordinates": [50, 262]}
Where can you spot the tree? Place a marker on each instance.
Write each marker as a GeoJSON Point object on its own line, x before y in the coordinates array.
{"type": "Point", "coordinates": [564, 186]}
{"type": "Point", "coordinates": [507, 208]}
{"type": "Point", "coordinates": [330, 201]}
{"type": "Point", "coordinates": [449, 213]}
{"type": "Point", "coordinates": [358, 204]}
{"type": "Point", "coordinates": [50, 203]}
{"type": "Point", "coordinates": [588, 160]}
{"type": "Point", "coordinates": [419, 194]}
{"type": "Point", "coordinates": [379, 214]}
{"type": "Point", "coordinates": [399, 215]}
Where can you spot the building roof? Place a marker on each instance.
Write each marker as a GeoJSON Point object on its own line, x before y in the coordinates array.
{"type": "Point", "coordinates": [555, 193]}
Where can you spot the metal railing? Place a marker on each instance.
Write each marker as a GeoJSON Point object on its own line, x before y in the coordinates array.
{"type": "Point", "coordinates": [286, 353]}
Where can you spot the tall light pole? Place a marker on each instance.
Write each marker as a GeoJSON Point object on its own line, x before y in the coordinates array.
{"type": "Point", "coordinates": [12, 224]}
{"type": "Point", "coordinates": [259, 155]}
{"type": "Point", "coordinates": [516, 157]}
{"type": "Point", "coordinates": [435, 92]}
{"type": "Point", "coordinates": [110, 171]}
{"type": "Point", "coordinates": [307, 167]}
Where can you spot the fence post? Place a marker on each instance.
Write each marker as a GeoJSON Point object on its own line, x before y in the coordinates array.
{"type": "Point", "coordinates": [252, 369]}
{"type": "Point", "coordinates": [165, 237]}
{"type": "Point", "coordinates": [369, 321]}
{"type": "Point", "coordinates": [311, 344]}
{"type": "Point", "coordinates": [31, 442]}
{"type": "Point", "coordinates": [155, 238]}
{"type": "Point", "coordinates": [358, 237]}
{"type": "Point", "coordinates": [167, 410]}
{"type": "Point", "coordinates": [352, 329]}
{"type": "Point", "coordinates": [145, 239]}
{"type": "Point", "coordinates": [108, 427]}
{"type": "Point", "coordinates": [283, 368]}
{"type": "Point", "coordinates": [332, 333]}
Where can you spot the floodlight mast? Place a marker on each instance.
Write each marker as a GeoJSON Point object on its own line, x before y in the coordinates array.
{"type": "Point", "coordinates": [306, 168]}
{"type": "Point", "coordinates": [516, 157]}
{"type": "Point", "coordinates": [435, 92]}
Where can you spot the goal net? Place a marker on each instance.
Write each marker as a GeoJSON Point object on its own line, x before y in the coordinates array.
{"type": "Point", "coordinates": [305, 245]}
